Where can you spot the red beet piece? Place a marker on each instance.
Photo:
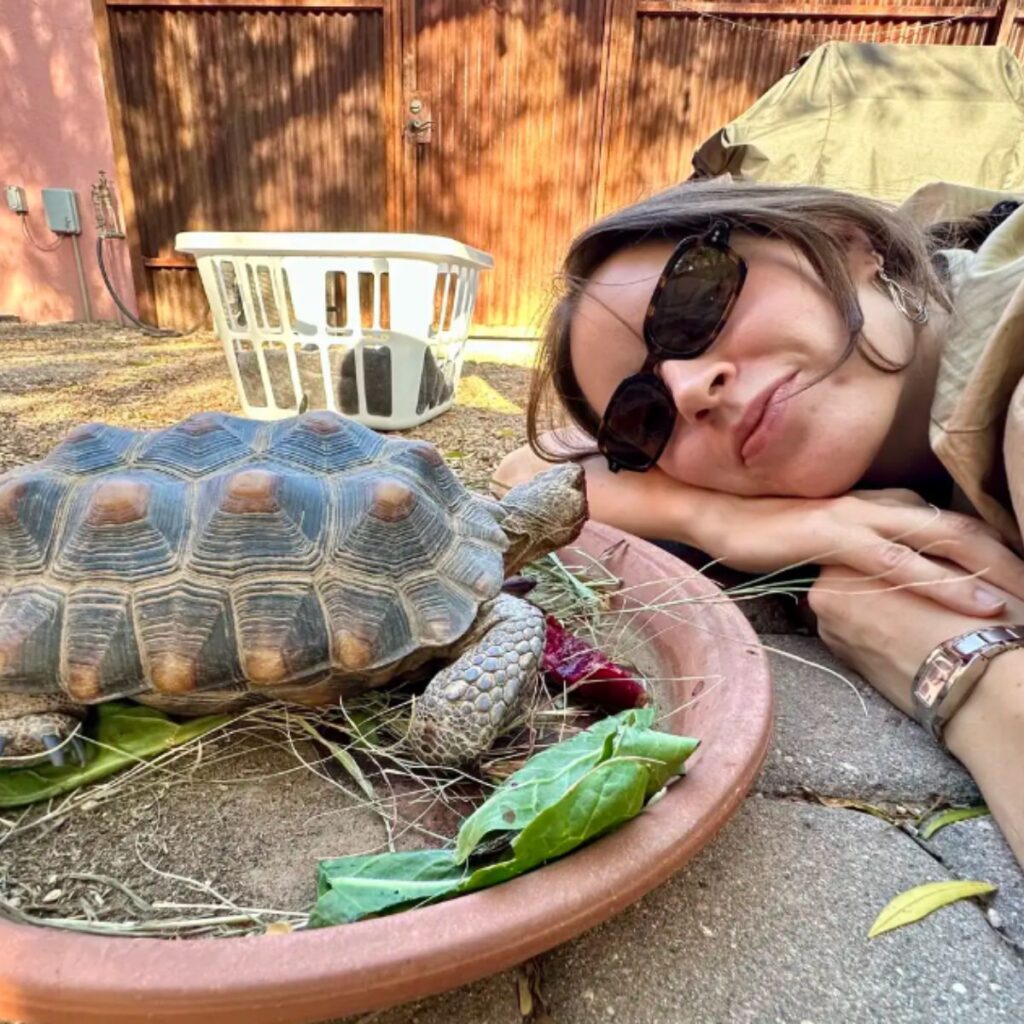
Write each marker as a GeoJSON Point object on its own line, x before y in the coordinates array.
{"type": "Point", "coordinates": [571, 662]}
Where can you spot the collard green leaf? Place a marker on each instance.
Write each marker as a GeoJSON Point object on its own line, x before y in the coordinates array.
{"type": "Point", "coordinates": [349, 888]}
{"type": "Point", "coordinates": [560, 799]}
{"type": "Point", "coordinates": [125, 734]}
{"type": "Point", "coordinates": [950, 817]}
{"type": "Point", "coordinates": [609, 795]}
{"type": "Point", "coordinates": [548, 775]}
{"type": "Point", "coordinates": [543, 779]}
{"type": "Point", "coordinates": [663, 753]}
{"type": "Point", "coordinates": [922, 900]}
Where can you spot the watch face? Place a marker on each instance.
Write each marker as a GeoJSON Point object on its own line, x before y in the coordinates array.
{"type": "Point", "coordinates": [930, 685]}
{"type": "Point", "coordinates": [971, 643]}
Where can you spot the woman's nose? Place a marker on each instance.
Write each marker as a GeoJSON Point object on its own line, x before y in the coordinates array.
{"type": "Point", "coordinates": [697, 386]}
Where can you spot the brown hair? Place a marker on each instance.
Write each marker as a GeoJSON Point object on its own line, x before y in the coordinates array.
{"type": "Point", "coordinates": [817, 221]}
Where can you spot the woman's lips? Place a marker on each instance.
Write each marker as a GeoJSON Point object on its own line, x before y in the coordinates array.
{"type": "Point", "coordinates": [761, 423]}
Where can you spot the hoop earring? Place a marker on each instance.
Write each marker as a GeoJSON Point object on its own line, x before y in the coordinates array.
{"type": "Point", "coordinates": [905, 301]}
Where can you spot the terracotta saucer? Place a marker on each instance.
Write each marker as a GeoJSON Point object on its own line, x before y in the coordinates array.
{"type": "Point", "coordinates": [722, 691]}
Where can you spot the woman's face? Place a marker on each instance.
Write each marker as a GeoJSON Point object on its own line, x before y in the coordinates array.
{"type": "Point", "coordinates": [743, 425]}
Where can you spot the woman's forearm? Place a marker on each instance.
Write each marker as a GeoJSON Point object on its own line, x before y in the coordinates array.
{"type": "Point", "coordinates": [987, 735]}
{"type": "Point", "coordinates": [649, 504]}
{"type": "Point", "coordinates": [645, 504]}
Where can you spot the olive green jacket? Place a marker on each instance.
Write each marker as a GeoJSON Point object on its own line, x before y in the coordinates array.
{"type": "Point", "coordinates": [977, 427]}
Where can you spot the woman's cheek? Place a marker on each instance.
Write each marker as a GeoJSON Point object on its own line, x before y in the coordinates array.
{"type": "Point", "coordinates": [689, 461]}
{"type": "Point", "coordinates": [833, 436]}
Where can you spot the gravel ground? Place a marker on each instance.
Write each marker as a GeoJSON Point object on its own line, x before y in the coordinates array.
{"type": "Point", "coordinates": [56, 376]}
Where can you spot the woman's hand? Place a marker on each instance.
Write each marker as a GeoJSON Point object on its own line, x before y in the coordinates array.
{"type": "Point", "coordinates": [886, 534]}
{"type": "Point", "coordinates": [886, 634]}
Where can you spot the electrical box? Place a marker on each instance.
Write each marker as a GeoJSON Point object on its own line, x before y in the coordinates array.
{"type": "Point", "coordinates": [16, 202]}
{"type": "Point", "coordinates": [61, 208]}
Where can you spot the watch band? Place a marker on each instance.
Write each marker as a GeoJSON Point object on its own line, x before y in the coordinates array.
{"type": "Point", "coordinates": [950, 673]}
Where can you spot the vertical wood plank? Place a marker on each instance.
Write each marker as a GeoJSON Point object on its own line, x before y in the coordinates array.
{"type": "Point", "coordinates": [122, 165]}
{"type": "Point", "coordinates": [409, 162]}
{"type": "Point", "coordinates": [1002, 26]}
{"type": "Point", "coordinates": [616, 76]}
{"type": "Point", "coordinates": [516, 90]}
{"type": "Point", "coordinates": [250, 119]}
{"type": "Point", "coordinates": [395, 144]}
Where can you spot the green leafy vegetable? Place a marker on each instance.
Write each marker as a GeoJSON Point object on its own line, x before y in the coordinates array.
{"type": "Point", "coordinates": [561, 798]}
{"type": "Point", "coordinates": [349, 888]}
{"type": "Point", "coordinates": [922, 900]}
{"type": "Point", "coordinates": [125, 734]}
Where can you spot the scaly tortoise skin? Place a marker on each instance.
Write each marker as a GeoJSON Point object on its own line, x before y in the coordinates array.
{"type": "Point", "coordinates": [305, 560]}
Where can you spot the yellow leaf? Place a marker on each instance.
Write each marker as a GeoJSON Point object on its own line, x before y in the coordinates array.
{"type": "Point", "coordinates": [279, 928]}
{"type": "Point", "coordinates": [857, 805]}
{"type": "Point", "coordinates": [950, 817]}
{"type": "Point", "coordinates": [919, 902]}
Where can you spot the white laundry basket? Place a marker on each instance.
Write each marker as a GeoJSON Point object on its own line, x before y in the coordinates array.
{"type": "Point", "coordinates": [369, 325]}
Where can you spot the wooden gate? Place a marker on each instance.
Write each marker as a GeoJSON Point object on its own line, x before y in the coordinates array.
{"type": "Point", "coordinates": [507, 124]}
{"type": "Point", "coordinates": [515, 92]}
{"type": "Point", "coordinates": [248, 116]}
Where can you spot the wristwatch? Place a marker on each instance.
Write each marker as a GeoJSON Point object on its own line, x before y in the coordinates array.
{"type": "Point", "coordinates": [952, 670]}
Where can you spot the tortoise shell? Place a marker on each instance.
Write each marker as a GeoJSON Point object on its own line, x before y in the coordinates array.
{"type": "Point", "coordinates": [223, 554]}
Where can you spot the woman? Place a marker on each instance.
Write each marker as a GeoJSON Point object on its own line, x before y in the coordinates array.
{"type": "Point", "coordinates": [783, 374]}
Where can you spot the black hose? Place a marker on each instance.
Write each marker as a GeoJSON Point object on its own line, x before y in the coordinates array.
{"type": "Point", "coordinates": [155, 332]}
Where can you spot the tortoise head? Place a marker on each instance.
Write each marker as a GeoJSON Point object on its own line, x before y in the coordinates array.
{"type": "Point", "coordinates": [543, 514]}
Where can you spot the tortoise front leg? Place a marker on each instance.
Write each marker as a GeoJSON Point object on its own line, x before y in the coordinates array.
{"type": "Point", "coordinates": [38, 724]}
{"type": "Point", "coordinates": [472, 701]}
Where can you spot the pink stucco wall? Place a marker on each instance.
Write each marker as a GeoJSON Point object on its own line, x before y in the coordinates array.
{"type": "Point", "coordinates": [54, 133]}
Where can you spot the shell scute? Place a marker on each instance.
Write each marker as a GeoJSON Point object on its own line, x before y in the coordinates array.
{"type": "Point", "coordinates": [282, 633]}
{"type": "Point", "coordinates": [30, 504]}
{"type": "Point", "coordinates": [186, 634]}
{"type": "Point", "coordinates": [258, 518]}
{"type": "Point", "coordinates": [323, 442]}
{"type": "Point", "coordinates": [369, 626]}
{"type": "Point", "coordinates": [441, 612]}
{"type": "Point", "coordinates": [386, 527]}
{"type": "Point", "coordinates": [101, 655]}
{"type": "Point", "coordinates": [199, 445]}
{"type": "Point", "coordinates": [474, 566]}
{"type": "Point", "coordinates": [123, 527]}
{"type": "Point", "coordinates": [31, 616]}
{"type": "Point", "coordinates": [92, 447]}
{"type": "Point", "coordinates": [423, 462]}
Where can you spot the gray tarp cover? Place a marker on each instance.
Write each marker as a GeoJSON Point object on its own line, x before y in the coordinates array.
{"type": "Point", "coordinates": [881, 120]}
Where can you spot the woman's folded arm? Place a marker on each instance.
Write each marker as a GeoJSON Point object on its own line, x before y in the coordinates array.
{"type": "Point", "coordinates": [884, 534]}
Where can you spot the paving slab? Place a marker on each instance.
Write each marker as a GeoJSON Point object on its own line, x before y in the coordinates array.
{"type": "Point", "coordinates": [836, 736]}
{"type": "Point", "coordinates": [769, 924]}
{"type": "Point", "coordinates": [977, 849]}
{"type": "Point", "coordinates": [492, 1000]}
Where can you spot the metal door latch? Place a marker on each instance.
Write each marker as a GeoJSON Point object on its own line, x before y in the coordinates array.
{"type": "Point", "coordinates": [419, 128]}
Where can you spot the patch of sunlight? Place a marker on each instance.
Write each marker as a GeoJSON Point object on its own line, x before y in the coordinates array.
{"type": "Point", "coordinates": [33, 359]}
{"type": "Point", "coordinates": [183, 346]}
{"type": "Point", "coordinates": [478, 394]}
{"type": "Point", "coordinates": [203, 396]}
{"type": "Point", "coordinates": [507, 351]}
{"type": "Point", "coordinates": [153, 355]}
{"type": "Point", "coordinates": [103, 401]}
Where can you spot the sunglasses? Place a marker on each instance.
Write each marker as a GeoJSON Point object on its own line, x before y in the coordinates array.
{"type": "Point", "coordinates": [688, 309]}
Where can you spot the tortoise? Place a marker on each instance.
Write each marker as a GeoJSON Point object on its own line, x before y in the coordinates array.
{"type": "Point", "coordinates": [306, 560]}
